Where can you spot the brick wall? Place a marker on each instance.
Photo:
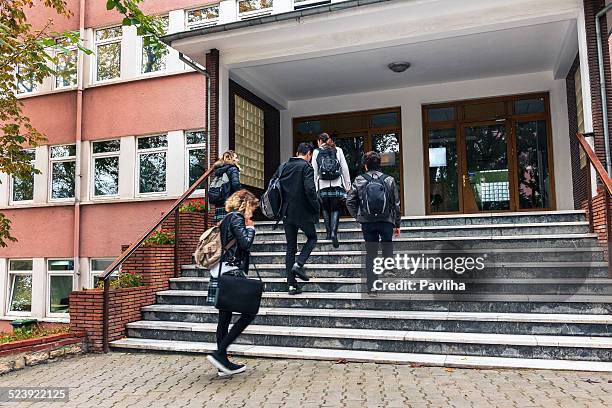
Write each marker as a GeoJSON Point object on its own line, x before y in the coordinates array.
{"type": "Point", "coordinates": [155, 263]}
{"type": "Point", "coordinates": [212, 66]}
{"type": "Point", "coordinates": [191, 226]}
{"type": "Point", "coordinates": [86, 312]}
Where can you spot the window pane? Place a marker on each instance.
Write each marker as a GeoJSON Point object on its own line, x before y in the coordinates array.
{"type": "Point", "coordinates": [25, 81]}
{"type": "Point", "coordinates": [443, 185]}
{"type": "Point", "coordinates": [21, 293]}
{"type": "Point", "coordinates": [106, 176]}
{"type": "Point", "coordinates": [109, 61]}
{"type": "Point", "coordinates": [153, 55]}
{"type": "Point", "coordinates": [62, 181]}
{"type": "Point", "coordinates": [244, 6]}
{"type": "Point", "coordinates": [197, 165]}
{"type": "Point", "coordinates": [532, 154]}
{"type": "Point", "coordinates": [63, 151]}
{"type": "Point", "coordinates": [384, 119]}
{"type": "Point", "coordinates": [152, 142]}
{"type": "Point", "coordinates": [100, 265]}
{"type": "Point", "coordinates": [60, 288]}
{"type": "Point", "coordinates": [66, 69]}
{"type": "Point", "coordinates": [108, 33]}
{"type": "Point", "coordinates": [153, 172]}
{"type": "Point", "coordinates": [23, 188]}
{"type": "Point", "coordinates": [61, 265]}
{"type": "Point", "coordinates": [526, 106]}
{"type": "Point", "coordinates": [20, 265]}
{"type": "Point", "coordinates": [310, 127]}
{"type": "Point", "coordinates": [107, 146]}
{"type": "Point", "coordinates": [202, 15]}
{"type": "Point", "coordinates": [196, 137]}
{"type": "Point", "coordinates": [440, 114]}
{"type": "Point", "coordinates": [249, 129]}
{"type": "Point", "coordinates": [389, 148]}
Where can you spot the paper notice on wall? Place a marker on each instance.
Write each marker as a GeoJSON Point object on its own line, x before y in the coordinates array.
{"type": "Point", "coordinates": [437, 157]}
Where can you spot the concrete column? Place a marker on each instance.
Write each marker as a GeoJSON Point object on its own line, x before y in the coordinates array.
{"type": "Point", "coordinates": [3, 285]}
{"type": "Point", "coordinates": [176, 23]}
{"type": "Point", "coordinates": [131, 53]}
{"type": "Point", "coordinates": [584, 74]}
{"type": "Point", "coordinates": [86, 184]}
{"type": "Point", "coordinates": [4, 189]}
{"type": "Point", "coordinates": [175, 164]}
{"type": "Point", "coordinates": [282, 6]}
{"type": "Point", "coordinates": [228, 11]}
{"type": "Point", "coordinates": [39, 288]}
{"type": "Point", "coordinates": [41, 180]}
{"type": "Point", "coordinates": [127, 167]}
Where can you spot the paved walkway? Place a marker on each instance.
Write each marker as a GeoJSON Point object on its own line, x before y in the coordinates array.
{"type": "Point", "coordinates": [160, 380]}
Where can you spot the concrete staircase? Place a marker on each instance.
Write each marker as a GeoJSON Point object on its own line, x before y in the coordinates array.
{"type": "Point", "coordinates": [544, 300]}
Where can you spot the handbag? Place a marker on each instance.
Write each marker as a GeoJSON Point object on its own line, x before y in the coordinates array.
{"type": "Point", "coordinates": [237, 293]}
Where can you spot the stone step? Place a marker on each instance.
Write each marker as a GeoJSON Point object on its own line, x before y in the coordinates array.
{"type": "Point", "coordinates": [464, 243]}
{"type": "Point", "coordinates": [519, 270]}
{"type": "Point", "coordinates": [511, 323]}
{"type": "Point", "coordinates": [421, 285]}
{"type": "Point", "coordinates": [465, 219]}
{"type": "Point", "coordinates": [426, 342]}
{"type": "Point", "coordinates": [495, 303]}
{"type": "Point", "coordinates": [346, 232]}
{"type": "Point", "coordinates": [172, 346]}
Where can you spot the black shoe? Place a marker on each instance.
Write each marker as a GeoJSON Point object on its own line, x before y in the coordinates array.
{"type": "Point", "coordinates": [294, 290]}
{"type": "Point", "coordinates": [236, 368]}
{"type": "Point", "coordinates": [222, 364]}
{"type": "Point", "coordinates": [298, 271]}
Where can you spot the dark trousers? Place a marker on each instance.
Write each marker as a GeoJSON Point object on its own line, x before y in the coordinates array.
{"type": "Point", "coordinates": [291, 234]}
{"type": "Point", "coordinates": [375, 233]}
{"type": "Point", "coordinates": [225, 338]}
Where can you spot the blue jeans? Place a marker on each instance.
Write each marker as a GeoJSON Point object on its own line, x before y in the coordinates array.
{"type": "Point", "coordinates": [375, 233]}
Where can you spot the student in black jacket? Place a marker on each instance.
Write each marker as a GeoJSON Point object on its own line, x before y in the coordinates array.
{"type": "Point", "coordinates": [238, 226]}
{"type": "Point", "coordinates": [227, 164]}
{"type": "Point", "coordinates": [300, 212]}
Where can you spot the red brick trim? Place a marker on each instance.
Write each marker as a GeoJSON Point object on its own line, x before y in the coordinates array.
{"type": "Point", "coordinates": [39, 343]}
{"type": "Point", "coordinates": [191, 226]}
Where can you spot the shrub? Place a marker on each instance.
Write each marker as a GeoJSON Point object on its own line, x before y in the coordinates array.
{"type": "Point", "coordinates": [193, 206]}
{"type": "Point", "coordinates": [123, 280]}
{"type": "Point", "coordinates": [161, 237]}
{"type": "Point", "coordinates": [31, 333]}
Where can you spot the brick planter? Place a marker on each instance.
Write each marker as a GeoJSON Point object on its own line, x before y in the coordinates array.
{"type": "Point", "coordinates": [86, 312]}
{"type": "Point", "coordinates": [19, 354]}
{"type": "Point", "coordinates": [191, 226]}
{"type": "Point", "coordinates": [155, 263]}
{"type": "Point", "coordinates": [599, 219]}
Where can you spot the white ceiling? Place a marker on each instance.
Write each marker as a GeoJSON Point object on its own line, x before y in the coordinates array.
{"type": "Point", "coordinates": [535, 48]}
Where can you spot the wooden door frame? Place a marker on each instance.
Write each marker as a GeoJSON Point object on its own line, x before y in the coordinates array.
{"type": "Point", "coordinates": [511, 119]}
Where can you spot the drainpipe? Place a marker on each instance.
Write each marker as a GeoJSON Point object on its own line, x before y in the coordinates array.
{"type": "Point", "coordinates": [78, 134]}
{"type": "Point", "coordinates": [602, 86]}
{"type": "Point", "coordinates": [202, 70]}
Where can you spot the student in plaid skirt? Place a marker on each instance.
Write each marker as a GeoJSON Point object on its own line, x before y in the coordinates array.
{"type": "Point", "coordinates": [332, 193]}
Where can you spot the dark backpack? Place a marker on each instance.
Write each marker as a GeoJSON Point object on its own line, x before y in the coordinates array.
{"type": "Point", "coordinates": [374, 202]}
{"type": "Point", "coordinates": [219, 189]}
{"type": "Point", "coordinates": [271, 202]}
{"type": "Point", "coordinates": [329, 165]}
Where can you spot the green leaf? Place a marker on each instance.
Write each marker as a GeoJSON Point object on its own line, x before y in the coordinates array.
{"type": "Point", "coordinates": [110, 4]}
{"type": "Point", "coordinates": [126, 21]}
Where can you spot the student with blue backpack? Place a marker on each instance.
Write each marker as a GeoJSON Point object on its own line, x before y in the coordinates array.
{"type": "Point", "coordinates": [374, 202]}
{"type": "Point", "coordinates": [224, 183]}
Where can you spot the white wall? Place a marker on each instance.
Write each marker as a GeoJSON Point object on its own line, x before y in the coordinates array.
{"type": "Point", "coordinates": [411, 99]}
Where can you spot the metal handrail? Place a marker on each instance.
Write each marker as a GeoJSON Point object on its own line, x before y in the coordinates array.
{"type": "Point", "coordinates": [607, 183]}
{"type": "Point", "coordinates": [106, 275]}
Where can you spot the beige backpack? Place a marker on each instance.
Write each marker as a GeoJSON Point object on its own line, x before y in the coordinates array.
{"type": "Point", "coordinates": [208, 251]}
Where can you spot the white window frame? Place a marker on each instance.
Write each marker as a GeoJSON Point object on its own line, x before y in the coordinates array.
{"type": "Point", "coordinates": [308, 3]}
{"type": "Point", "coordinates": [35, 85]}
{"type": "Point", "coordinates": [141, 39]}
{"type": "Point", "coordinates": [254, 13]}
{"type": "Point", "coordinates": [11, 186]}
{"type": "Point", "coordinates": [94, 273]}
{"type": "Point", "coordinates": [48, 278]}
{"type": "Point", "coordinates": [69, 48]}
{"type": "Point", "coordinates": [189, 148]}
{"type": "Point", "coordinates": [140, 152]}
{"type": "Point", "coordinates": [9, 287]}
{"type": "Point", "coordinates": [53, 160]}
{"type": "Point", "coordinates": [205, 23]}
{"type": "Point", "coordinates": [94, 65]}
{"type": "Point", "coordinates": [92, 171]}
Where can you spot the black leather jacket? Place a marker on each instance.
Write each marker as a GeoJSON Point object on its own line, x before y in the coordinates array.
{"type": "Point", "coordinates": [233, 227]}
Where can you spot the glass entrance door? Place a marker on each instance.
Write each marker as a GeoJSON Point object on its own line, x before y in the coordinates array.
{"type": "Point", "coordinates": [486, 176]}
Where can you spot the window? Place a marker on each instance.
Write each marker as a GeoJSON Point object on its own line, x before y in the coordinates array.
{"type": "Point", "coordinates": [252, 8]}
{"type": "Point", "coordinates": [97, 266]}
{"type": "Point", "coordinates": [152, 164]}
{"type": "Point", "coordinates": [154, 53]}
{"type": "Point", "coordinates": [202, 17]}
{"type": "Point", "coordinates": [60, 284]}
{"type": "Point", "coordinates": [62, 169]}
{"type": "Point", "coordinates": [105, 164]}
{"type": "Point", "coordinates": [108, 53]}
{"type": "Point", "coordinates": [249, 141]}
{"type": "Point", "coordinates": [25, 81]}
{"type": "Point", "coordinates": [66, 66]}
{"type": "Point", "coordinates": [196, 155]}
{"type": "Point", "coordinates": [20, 286]}
{"type": "Point", "coordinates": [22, 189]}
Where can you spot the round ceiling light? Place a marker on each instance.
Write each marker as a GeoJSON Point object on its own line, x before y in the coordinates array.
{"type": "Point", "coordinates": [398, 66]}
